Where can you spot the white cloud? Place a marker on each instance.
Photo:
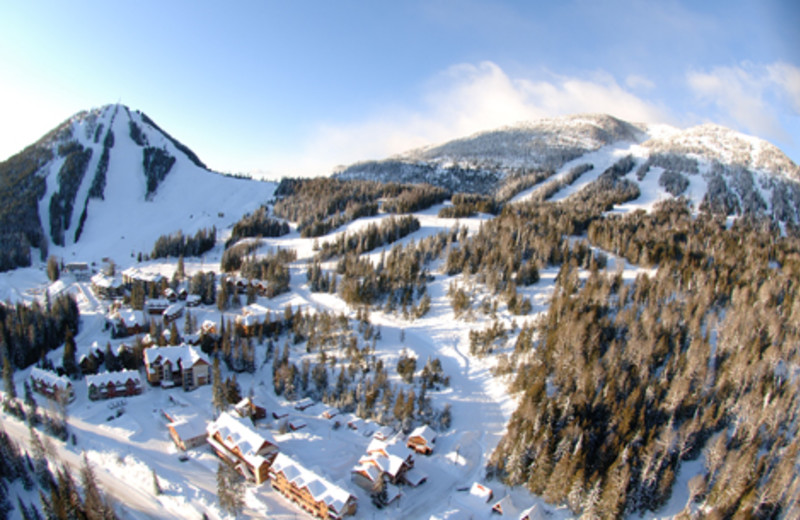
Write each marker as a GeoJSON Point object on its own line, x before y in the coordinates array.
{"type": "Point", "coordinates": [750, 97]}
{"type": "Point", "coordinates": [465, 99]}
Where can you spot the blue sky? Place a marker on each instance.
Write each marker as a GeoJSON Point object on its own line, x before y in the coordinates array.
{"type": "Point", "coordinates": [288, 88]}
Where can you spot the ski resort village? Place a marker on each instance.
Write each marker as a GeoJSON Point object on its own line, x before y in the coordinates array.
{"type": "Point", "coordinates": [520, 324]}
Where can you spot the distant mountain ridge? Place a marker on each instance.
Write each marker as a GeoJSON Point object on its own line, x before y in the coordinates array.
{"type": "Point", "coordinates": [110, 162]}
{"type": "Point", "coordinates": [712, 166]}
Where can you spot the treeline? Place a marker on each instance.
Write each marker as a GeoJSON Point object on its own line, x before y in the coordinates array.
{"type": "Point", "coordinates": [157, 163]}
{"type": "Point", "coordinates": [321, 205]}
{"type": "Point", "coordinates": [20, 191]}
{"type": "Point", "coordinates": [623, 382]}
{"type": "Point", "coordinates": [27, 333]}
{"type": "Point", "coordinates": [374, 236]}
{"type": "Point", "coordinates": [468, 204]}
{"type": "Point", "coordinates": [61, 496]}
{"type": "Point", "coordinates": [415, 198]}
{"type": "Point", "coordinates": [257, 224]}
{"type": "Point", "coordinates": [398, 279]}
{"type": "Point", "coordinates": [76, 161]}
{"type": "Point", "coordinates": [177, 244]}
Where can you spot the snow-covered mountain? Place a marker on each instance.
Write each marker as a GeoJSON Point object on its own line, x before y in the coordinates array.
{"type": "Point", "coordinates": [112, 181]}
{"type": "Point", "coordinates": [714, 167]}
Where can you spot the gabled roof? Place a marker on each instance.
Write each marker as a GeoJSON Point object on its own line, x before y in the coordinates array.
{"type": "Point", "coordinates": [50, 378]}
{"type": "Point", "coordinates": [138, 274]}
{"type": "Point", "coordinates": [186, 354]}
{"type": "Point", "coordinates": [369, 470]}
{"type": "Point", "coordinates": [238, 434]}
{"type": "Point", "coordinates": [117, 378]}
{"type": "Point", "coordinates": [189, 428]}
{"type": "Point", "coordinates": [105, 281]}
{"type": "Point", "coordinates": [533, 513]}
{"type": "Point", "coordinates": [131, 317]}
{"type": "Point", "coordinates": [320, 488]}
{"type": "Point", "coordinates": [480, 491]}
{"type": "Point", "coordinates": [424, 432]}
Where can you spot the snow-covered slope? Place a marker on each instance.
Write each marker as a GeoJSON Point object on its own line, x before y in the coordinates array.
{"type": "Point", "coordinates": [713, 167]}
{"type": "Point", "coordinates": [114, 182]}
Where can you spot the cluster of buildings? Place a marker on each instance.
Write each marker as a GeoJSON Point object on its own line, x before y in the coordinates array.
{"type": "Point", "coordinates": [256, 456]}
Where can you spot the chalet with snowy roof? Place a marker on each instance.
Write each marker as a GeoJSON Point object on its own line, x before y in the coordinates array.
{"type": "Point", "coordinates": [383, 433]}
{"type": "Point", "coordinates": [208, 327]}
{"type": "Point", "coordinates": [252, 315]}
{"type": "Point", "coordinates": [80, 270]}
{"type": "Point", "coordinates": [193, 300]}
{"type": "Point", "coordinates": [310, 491]}
{"type": "Point", "coordinates": [382, 461]}
{"type": "Point", "coordinates": [157, 306]}
{"type": "Point", "coordinates": [127, 321]}
{"type": "Point", "coordinates": [108, 385]}
{"type": "Point", "coordinates": [505, 507]}
{"type": "Point", "coordinates": [173, 312]}
{"type": "Point", "coordinates": [170, 294]}
{"type": "Point", "coordinates": [246, 408]}
{"type": "Point", "coordinates": [108, 287]}
{"type": "Point", "coordinates": [235, 442]}
{"type": "Point", "coordinates": [296, 424]}
{"type": "Point", "coordinates": [51, 385]}
{"type": "Point", "coordinates": [304, 403]}
{"type": "Point", "coordinates": [535, 512]}
{"type": "Point", "coordinates": [421, 440]}
{"type": "Point", "coordinates": [358, 424]}
{"type": "Point", "coordinates": [181, 365]}
{"type": "Point", "coordinates": [188, 433]}
{"type": "Point", "coordinates": [147, 279]}
{"type": "Point", "coordinates": [480, 491]}
{"type": "Point", "coordinates": [329, 412]}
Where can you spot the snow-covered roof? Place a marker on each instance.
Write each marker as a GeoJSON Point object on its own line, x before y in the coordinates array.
{"type": "Point", "coordinates": [186, 354]}
{"type": "Point", "coordinates": [190, 428]}
{"type": "Point", "coordinates": [193, 298]}
{"type": "Point", "coordinates": [50, 378]}
{"type": "Point", "coordinates": [237, 433]}
{"type": "Point", "coordinates": [383, 433]}
{"type": "Point", "coordinates": [117, 378]}
{"type": "Point", "coordinates": [138, 274]}
{"type": "Point", "coordinates": [480, 491]}
{"type": "Point", "coordinates": [105, 281]}
{"type": "Point", "coordinates": [415, 477]}
{"type": "Point", "coordinates": [390, 464]}
{"type": "Point", "coordinates": [255, 309]}
{"type": "Point", "coordinates": [304, 403]}
{"type": "Point", "coordinates": [424, 432]}
{"type": "Point", "coordinates": [131, 317]}
{"type": "Point", "coordinates": [320, 488]}
{"type": "Point", "coordinates": [533, 513]}
{"type": "Point", "coordinates": [175, 308]}
{"type": "Point", "coordinates": [369, 470]}
{"type": "Point", "coordinates": [505, 506]}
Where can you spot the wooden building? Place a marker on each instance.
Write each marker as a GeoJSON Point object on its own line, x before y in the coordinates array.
{"type": "Point", "coordinates": [52, 385]}
{"type": "Point", "coordinates": [421, 440]}
{"type": "Point", "coordinates": [108, 385]}
{"type": "Point", "coordinates": [181, 365]}
{"type": "Point", "coordinates": [310, 491]}
{"type": "Point", "coordinates": [235, 442]}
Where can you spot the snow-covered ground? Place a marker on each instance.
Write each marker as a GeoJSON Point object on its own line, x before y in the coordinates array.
{"type": "Point", "coordinates": [125, 450]}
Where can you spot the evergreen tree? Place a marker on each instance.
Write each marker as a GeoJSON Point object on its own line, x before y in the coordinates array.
{"type": "Point", "coordinates": [69, 362]}
{"type": "Point", "coordinates": [52, 268]}
{"type": "Point", "coordinates": [8, 378]}
{"type": "Point", "coordinates": [218, 389]}
{"type": "Point", "coordinates": [230, 489]}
